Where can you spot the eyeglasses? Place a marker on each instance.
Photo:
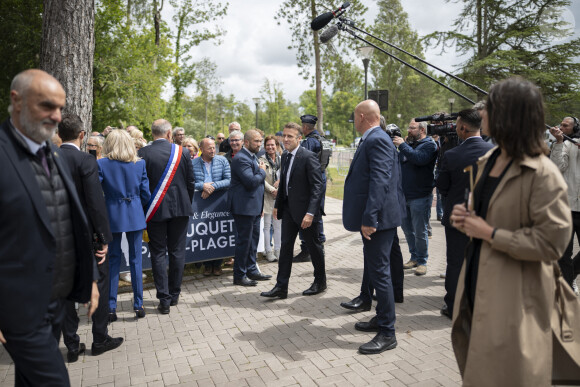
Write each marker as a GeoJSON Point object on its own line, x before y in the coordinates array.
{"type": "Point", "coordinates": [221, 138]}
{"type": "Point", "coordinates": [92, 145]}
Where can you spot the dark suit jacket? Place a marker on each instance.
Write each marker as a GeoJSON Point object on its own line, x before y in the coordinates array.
{"type": "Point", "coordinates": [246, 193]}
{"type": "Point", "coordinates": [85, 174]}
{"type": "Point", "coordinates": [28, 244]}
{"type": "Point", "coordinates": [452, 181]}
{"type": "Point", "coordinates": [177, 200]}
{"type": "Point", "coordinates": [373, 192]}
{"type": "Point", "coordinates": [304, 186]}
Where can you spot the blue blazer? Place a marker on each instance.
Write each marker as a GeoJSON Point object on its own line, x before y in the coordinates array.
{"type": "Point", "coordinates": [126, 189]}
{"type": "Point", "coordinates": [373, 191]}
{"type": "Point", "coordinates": [220, 172]}
{"type": "Point", "coordinates": [246, 193]}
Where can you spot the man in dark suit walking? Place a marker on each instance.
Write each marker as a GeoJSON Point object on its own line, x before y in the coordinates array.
{"type": "Point", "coordinates": [298, 205]}
{"type": "Point", "coordinates": [374, 205]}
{"type": "Point", "coordinates": [85, 174]}
{"type": "Point", "coordinates": [45, 254]}
{"type": "Point", "coordinates": [172, 185]}
{"type": "Point", "coordinates": [246, 200]}
{"type": "Point", "coordinates": [452, 183]}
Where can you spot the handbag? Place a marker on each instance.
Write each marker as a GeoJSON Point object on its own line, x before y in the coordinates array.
{"type": "Point", "coordinates": [566, 333]}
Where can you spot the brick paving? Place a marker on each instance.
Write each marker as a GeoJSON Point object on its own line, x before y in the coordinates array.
{"type": "Point", "coordinates": [227, 335]}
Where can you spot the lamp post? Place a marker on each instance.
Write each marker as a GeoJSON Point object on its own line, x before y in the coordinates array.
{"type": "Point", "coordinates": [257, 102]}
{"type": "Point", "coordinates": [451, 102]}
{"type": "Point", "coordinates": [366, 52]}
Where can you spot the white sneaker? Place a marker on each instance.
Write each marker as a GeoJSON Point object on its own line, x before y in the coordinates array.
{"type": "Point", "coordinates": [270, 256]}
{"type": "Point", "coordinates": [575, 287]}
{"type": "Point", "coordinates": [125, 276]}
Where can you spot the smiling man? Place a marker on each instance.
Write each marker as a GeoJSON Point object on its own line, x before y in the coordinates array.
{"type": "Point", "coordinates": [298, 205]}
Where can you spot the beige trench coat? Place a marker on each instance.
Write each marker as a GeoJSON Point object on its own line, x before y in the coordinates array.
{"type": "Point", "coordinates": [508, 339]}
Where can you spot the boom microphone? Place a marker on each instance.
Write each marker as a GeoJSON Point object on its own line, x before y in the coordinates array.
{"type": "Point", "coordinates": [328, 34]}
{"type": "Point", "coordinates": [321, 21]}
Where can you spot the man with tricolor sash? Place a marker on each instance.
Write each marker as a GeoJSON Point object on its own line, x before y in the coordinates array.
{"type": "Point", "coordinates": [172, 185]}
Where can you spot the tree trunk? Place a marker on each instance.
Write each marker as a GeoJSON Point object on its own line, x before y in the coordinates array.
{"type": "Point", "coordinates": [67, 50]}
{"type": "Point", "coordinates": [318, 72]}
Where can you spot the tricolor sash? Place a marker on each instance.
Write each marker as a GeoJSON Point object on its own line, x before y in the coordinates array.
{"type": "Point", "coordinates": [166, 178]}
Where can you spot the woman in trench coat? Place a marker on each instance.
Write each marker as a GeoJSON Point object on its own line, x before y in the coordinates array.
{"type": "Point", "coordinates": [520, 224]}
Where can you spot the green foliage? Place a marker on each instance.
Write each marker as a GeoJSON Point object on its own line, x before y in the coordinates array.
{"type": "Point", "coordinates": [506, 38]}
{"type": "Point", "coordinates": [20, 36]}
{"type": "Point", "coordinates": [277, 111]}
{"type": "Point", "coordinates": [129, 71]}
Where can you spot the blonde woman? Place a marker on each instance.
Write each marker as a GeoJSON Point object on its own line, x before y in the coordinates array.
{"type": "Point", "coordinates": [126, 188]}
{"type": "Point", "coordinates": [190, 143]}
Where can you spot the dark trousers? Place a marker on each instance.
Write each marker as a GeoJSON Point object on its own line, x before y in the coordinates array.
{"type": "Point", "coordinates": [377, 270]}
{"type": "Point", "coordinates": [37, 358]}
{"type": "Point", "coordinates": [247, 238]}
{"type": "Point", "coordinates": [100, 318]}
{"type": "Point", "coordinates": [289, 232]}
{"type": "Point", "coordinates": [214, 263]}
{"type": "Point", "coordinates": [569, 266]}
{"type": "Point", "coordinates": [456, 243]}
{"type": "Point", "coordinates": [168, 235]}
{"type": "Point", "coordinates": [397, 273]}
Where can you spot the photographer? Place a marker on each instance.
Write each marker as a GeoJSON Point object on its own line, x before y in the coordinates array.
{"type": "Point", "coordinates": [452, 183]}
{"type": "Point", "coordinates": [565, 154]}
{"type": "Point", "coordinates": [417, 163]}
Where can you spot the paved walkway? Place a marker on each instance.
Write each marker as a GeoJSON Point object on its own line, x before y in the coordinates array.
{"type": "Point", "coordinates": [227, 335]}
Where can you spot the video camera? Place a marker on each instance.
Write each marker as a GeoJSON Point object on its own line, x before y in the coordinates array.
{"type": "Point", "coordinates": [442, 129]}
{"type": "Point", "coordinates": [393, 130]}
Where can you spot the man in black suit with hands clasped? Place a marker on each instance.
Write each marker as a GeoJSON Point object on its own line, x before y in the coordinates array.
{"type": "Point", "coordinates": [298, 205]}
{"type": "Point", "coordinates": [452, 183]}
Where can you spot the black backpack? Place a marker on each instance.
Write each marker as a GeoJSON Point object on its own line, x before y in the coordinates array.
{"type": "Point", "coordinates": [325, 150]}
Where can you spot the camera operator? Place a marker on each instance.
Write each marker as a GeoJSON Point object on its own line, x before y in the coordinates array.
{"type": "Point", "coordinates": [452, 183]}
{"type": "Point", "coordinates": [417, 163]}
{"type": "Point", "coordinates": [566, 155]}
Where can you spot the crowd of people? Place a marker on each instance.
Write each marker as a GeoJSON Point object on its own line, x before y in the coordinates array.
{"type": "Point", "coordinates": [507, 220]}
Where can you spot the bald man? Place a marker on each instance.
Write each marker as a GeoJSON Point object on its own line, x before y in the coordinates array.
{"type": "Point", "coordinates": [45, 254]}
{"type": "Point", "coordinates": [374, 205]}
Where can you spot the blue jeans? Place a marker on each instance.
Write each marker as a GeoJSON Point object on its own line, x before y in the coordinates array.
{"type": "Point", "coordinates": [415, 228]}
{"type": "Point", "coordinates": [134, 239]}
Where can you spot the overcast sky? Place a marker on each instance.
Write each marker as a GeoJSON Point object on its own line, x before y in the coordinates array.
{"type": "Point", "coordinates": [255, 47]}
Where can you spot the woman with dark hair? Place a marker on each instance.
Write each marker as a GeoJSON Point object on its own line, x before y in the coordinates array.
{"type": "Point", "coordinates": [519, 223]}
{"type": "Point", "coordinates": [272, 161]}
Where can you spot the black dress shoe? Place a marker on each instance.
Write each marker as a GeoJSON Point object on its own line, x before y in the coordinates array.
{"type": "Point", "coordinates": [315, 288]}
{"type": "Point", "coordinates": [174, 302]}
{"type": "Point", "coordinates": [107, 345]}
{"type": "Point", "coordinates": [140, 313]}
{"type": "Point", "coordinates": [371, 326]}
{"type": "Point", "coordinates": [245, 281]}
{"type": "Point", "coordinates": [445, 312]}
{"type": "Point", "coordinates": [303, 256]}
{"type": "Point", "coordinates": [380, 343]}
{"type": "Point", "coordinates": [259, 277]}
{"type": "Point", "coordinates": [276, 292]}
{"type": "Point", "coordinates": [72, 356]}
{"type": "Point", "coordinates": [357, 304]}
{"type": "Point", "coordinates": [163, 309]}
{"type": "Point", "coordinates": [112, 317]}
{"type": "Point", "coordinates": [399, 299]}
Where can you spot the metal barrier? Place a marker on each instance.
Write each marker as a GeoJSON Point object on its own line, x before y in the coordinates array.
{"type": "Point", "coordinates": [341, 159]}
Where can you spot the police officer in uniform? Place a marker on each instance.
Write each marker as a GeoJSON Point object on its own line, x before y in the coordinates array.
{"type": "Point", "coordinates": [312, 142]}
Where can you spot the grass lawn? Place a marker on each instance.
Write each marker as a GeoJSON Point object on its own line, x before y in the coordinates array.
{"type": "Point", "coordinates": [334, 184]}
